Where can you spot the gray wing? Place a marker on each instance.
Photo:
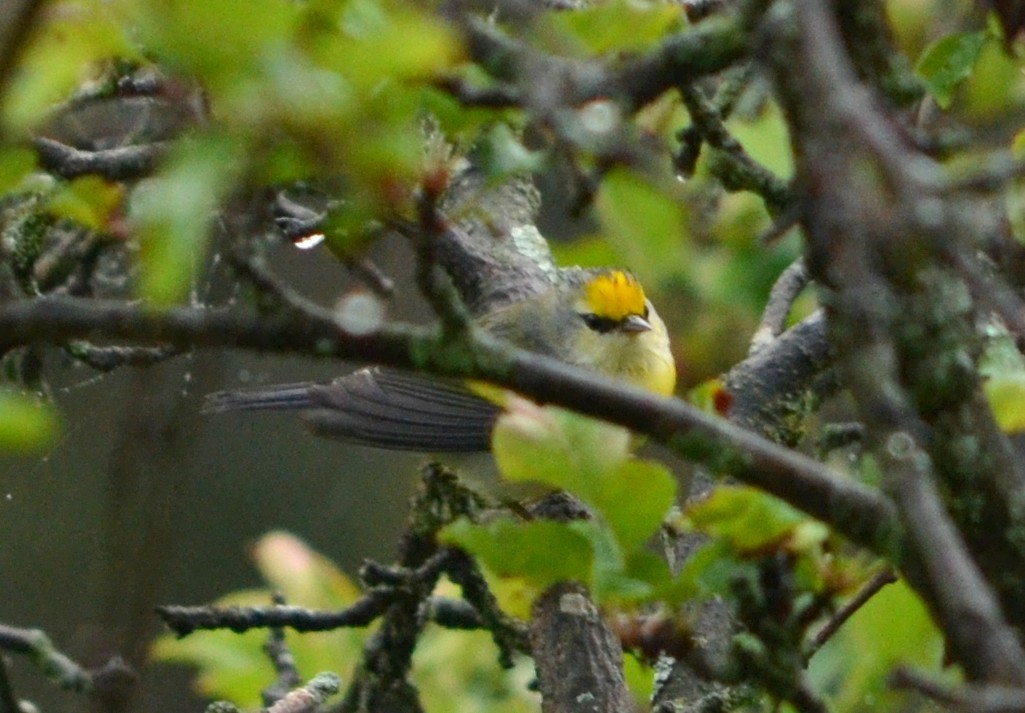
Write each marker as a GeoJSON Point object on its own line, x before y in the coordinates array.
{"type": "Point", "coordinates": [381, 408]}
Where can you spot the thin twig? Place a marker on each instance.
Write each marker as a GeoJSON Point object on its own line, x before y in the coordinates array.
{"type": "Point", "coordinates": [8, 701]}
{"type": "Point", "coordinates": [284, 662]}
{"type": "Point", "coordinates": [56, 665]}
{"type": "Point", "coordinates": [787, 288]}
{"type": "Point", "coordinates": [871, 588]}
{"type": "Point", "coordinates": [497, 96]}
{"type": "Point", "coordinates": [186, 620]}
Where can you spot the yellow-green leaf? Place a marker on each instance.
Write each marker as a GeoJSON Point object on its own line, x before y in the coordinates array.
{"type": "Point", "coordinates": [90, 201]}
{"type": "Point", "coordinates": [174, 212]}
{"type": "Point", "coordinates": [542, 551]}
{"type": "Point", "coordinates": [633, 499]}
{"type": "Point", "coordinates": [948, 62]}
{"type": "Point", "coordinates": [15, 165]}
{"type": "Point", "coordinates": [619, 25]}
{"type": "Point", "coordinates": [746, 517]}
{"type": "Point", "coordinates": [892, 629]}
{"type": "Point", "coordinates": [556, 447]}
{"type": "Point", "coordinates": [644, 222]}
{"type": "Point", "coordinates": [1006, 396]}
{"type": "Point", "coordinates": [27, 425]}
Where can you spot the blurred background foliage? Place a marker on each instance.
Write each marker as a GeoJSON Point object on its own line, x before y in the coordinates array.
{"type": "Point", "coordinates": [115, 495]}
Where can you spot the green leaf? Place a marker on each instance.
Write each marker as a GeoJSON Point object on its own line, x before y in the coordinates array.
{"type": "Point", "coordinates": [948, 62]}
{"type": "Point", "coordinates": [633, 499]}
{"type": "Point", "coordinates": [638, 577]}
{"type": "Point", "coordinates": [220, 43]}
{"type": "Point", "coordinates": [1006, 397]}
{"type": "Point", "coordinates": [542, 551]}
{"type": "Point", "coordinates": [75, 38]}
{"type": "Point", "coordinates": [1004, 368]}
{"type": "Point", "coordinates": [644, 222]}
{"type": "Point", "coordinates": [747, 518]}
{"type": "Point", "coordinates": [27, 425]}
{"type": "Point", "coordinates": [90, 201]}
{"type": "Point", "coordinates": [398, 43]}
{"type": "Point", "coordinates": [174, 211]}
{"type": "Point", "coordinates": [301, 574]}
{"type": "Point", "coordinates": [556, 447]}
{"type": "Point", "coordinates": [709, 571]}
{"type": "Point", "coordinates": [590, 459]}
{"type": "Point", "coordinates": [15, 165]}
{"type": "Point", "coordinates": [619, 26]}
{"type": "Point", "coordinates": [503, 154]}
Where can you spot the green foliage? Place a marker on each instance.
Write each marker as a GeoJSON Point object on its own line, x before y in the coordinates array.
{"type": "Point", "coordinates": [89, 201]}
{"type": "Point", "coordinates": [448, 667]}
{"type": "Point", "coordinates": [747, 525]}
{"type": "Point", "coordinates": [948, 62]}
{"type": "Point", "coordinates": [15, 165]}
{"type": "Point", "coordinates": [644, 222]}
{"type": "Point", "coordinates": [27, 425]}
{"type": "Point", "coordinates": [1003, 366]}
{"type": "Point", "coordinates": [892, 629]}
{"type": "Point", "coordinates": [80, 37]}
{"type": "Point", "coordinates": [748, 519]}
{"type": "Point", "coordinates": [524, 549]}
{"type": "Point", "coordinates": [174, 211]}
{"type": "Point", "coordinates": [591, 460]}
{"type": "Point", "coordinates": [617, 26]}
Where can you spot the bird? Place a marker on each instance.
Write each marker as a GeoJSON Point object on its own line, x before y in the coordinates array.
{"type": "Point", "coordinates": [595, 318]}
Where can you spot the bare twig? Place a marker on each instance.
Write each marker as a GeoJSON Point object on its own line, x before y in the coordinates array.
{"type": "Point", "coordinates": [787, 288]}
{"type": "Point", "coordinates": [8, 701]}
{"type": "Point", "coordinates": [876, 307]}
{"type": "Point", "coordinates": [578, 657]}
{"type": "Point", "coordinates": [768, 388]}
{"type": "Point", "coordinates": [731, 163]}
{"type": "Point", "coordinates": [284, 662]}
{"type": "Point", "coordinates": [871, 588]}
{"type": "Point", "coordinates": [497, 96]}
{"type": "Point", "coordinates": [111, 358]}
{"type": "Point", "coordinates": [186, 620]}
{"type": "Point", "coordinates": [118, 164]}
{"type": "Point", "coordinates": [52, 662]}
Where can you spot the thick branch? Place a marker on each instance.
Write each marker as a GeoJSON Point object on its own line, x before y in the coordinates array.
{"type": "Point", "coordinates": [120, 164]}
{"type": "Point", "coordinates": [581, 670]}
{"type": "Point", "coordinates": [857, 511]}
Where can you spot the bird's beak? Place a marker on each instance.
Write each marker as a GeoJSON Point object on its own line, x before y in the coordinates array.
{"type": "Point", "coordinates": [635, 324]}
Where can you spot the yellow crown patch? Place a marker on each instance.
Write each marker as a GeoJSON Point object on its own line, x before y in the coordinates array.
{"type": "Point", "coordinates": [615, 295]}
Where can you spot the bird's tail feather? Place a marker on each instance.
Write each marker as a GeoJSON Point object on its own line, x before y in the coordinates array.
{"type": "Point", "coordinates": [276, 398]}
{"type": "Point", "coordinates": [382, 408]}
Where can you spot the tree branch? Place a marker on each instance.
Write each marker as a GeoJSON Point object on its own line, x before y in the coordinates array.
{"type": "Point", "coordinates": [855, 510]}
{"type": "Point", "coordinates": [119, 164]}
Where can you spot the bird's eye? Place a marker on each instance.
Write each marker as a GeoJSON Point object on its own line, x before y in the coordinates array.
{"type": "Point", "coordinates": [647, 311]}
{"type": "Point", "coordinates": [598, 323]}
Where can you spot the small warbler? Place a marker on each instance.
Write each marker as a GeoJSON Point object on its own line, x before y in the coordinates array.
{"type": "Point", "coordinates": [596, 319]}
{"type": "Point", "coordinates": [504, 270]}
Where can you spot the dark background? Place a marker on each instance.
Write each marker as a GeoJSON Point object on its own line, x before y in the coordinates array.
{"type": "Point", "coordinates": [144, 500]}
